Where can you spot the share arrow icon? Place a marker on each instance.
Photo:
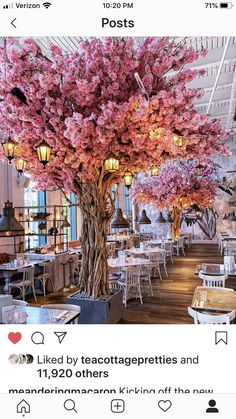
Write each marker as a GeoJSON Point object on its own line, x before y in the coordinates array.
{"type": "Point", "coordinates": [60, 335]}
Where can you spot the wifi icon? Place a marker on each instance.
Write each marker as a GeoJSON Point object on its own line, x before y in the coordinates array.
{"type": "Point", "coordinates": [47, 5]}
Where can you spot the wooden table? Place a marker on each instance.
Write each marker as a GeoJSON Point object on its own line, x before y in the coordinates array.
{"type": "Point", "coordinates": [215, 300]}
{"type": "Point", "coordinates": [8, 270]}
{"type": "Point", "coordinates": [38, 315]}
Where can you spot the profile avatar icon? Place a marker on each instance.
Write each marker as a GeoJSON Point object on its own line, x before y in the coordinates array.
{"type": "Point", "coordinates": [212, 408]}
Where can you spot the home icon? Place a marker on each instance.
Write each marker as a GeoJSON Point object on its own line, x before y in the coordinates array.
{"type": "Point", "coordinates": [23, 407]}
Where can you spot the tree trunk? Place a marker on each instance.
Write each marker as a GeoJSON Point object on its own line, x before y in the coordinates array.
{"type": "Point", "coordinates": [207, 222]}
{"type": "Point", "coordinates": [177, 219]}
{"type": "Point", "coordinates": [94, 268]}
{"type": "Point", "coordinates": [97, 207]}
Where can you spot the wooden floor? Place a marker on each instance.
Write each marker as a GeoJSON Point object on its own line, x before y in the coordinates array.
{"type": "Point", "coordinates": [172, 295]}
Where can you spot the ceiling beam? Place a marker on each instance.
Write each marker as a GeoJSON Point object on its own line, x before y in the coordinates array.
{"type": "Point", "coordinates": [232, 101]}
{"type": "Point", "coordinates": [218, 73]}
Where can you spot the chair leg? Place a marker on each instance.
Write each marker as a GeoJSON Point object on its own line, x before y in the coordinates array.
{"type": "Point", "coordinates": [159, 271]}
{"type": "Point", "coordinates": [34, 293]}
{"type": "Point", "coordinates": [51, 284]}
{"type": "Point", "coordinates": [140, 295]}
{"type": "Point", "coordinates": [44, 287]}
{"type": "Point", "coordinates": [150, 284]}
{"type": "Point", "coordinates": [165, 269]}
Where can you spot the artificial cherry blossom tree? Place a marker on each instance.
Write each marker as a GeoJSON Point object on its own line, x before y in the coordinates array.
{"type": "Point", "coordinates": [179, 186]}
{"type": "Point", "coordinates": [87, 104]}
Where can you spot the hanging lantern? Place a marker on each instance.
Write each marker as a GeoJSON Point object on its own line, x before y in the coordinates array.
{"type": "Point", "coordinates": [144, 219]}
{"type": "Point", "coordinates": [179, 141]}
{"type": "Point", "coordinates": [9, 225]}
{"type": "Point", "coordinates": [112, 163]}
{"type": "Point", "coordinates": [119, 221]}
{"type": "Point", "coordinates": [44, 152]}
{"type": "Point", "coordinates": [160, 218]}
{"type": "Point", "coordinates": [155, 170]}
{"type": "Point", "coordinates": [200, 170]}
{"type": "Point", "coordinates": [20, 165]}
{"type": "Point", "coordinates": [128, 178]}
{"type": "Point", "coordinates": [197, 209]}
{"type": "Point", "coordinates": [9, 149]}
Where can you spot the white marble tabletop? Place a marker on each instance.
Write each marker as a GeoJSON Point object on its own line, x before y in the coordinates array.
{"type": "Point", "coordinates": [121, 262]}
{"type": "Point", "coordinates": [139, 251]}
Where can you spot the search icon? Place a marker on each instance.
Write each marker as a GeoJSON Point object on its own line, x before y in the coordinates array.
{"type": "Point", "coordinates": [69, 405]}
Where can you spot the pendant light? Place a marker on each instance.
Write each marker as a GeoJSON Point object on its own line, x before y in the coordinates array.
{"type": "Point", "coordinates": [44, 153]}
{"type": "Point", "coordinates": [9, 225]}
{"type": "Point", "coordinates": [144, 219]}
{"type": "Point", "coordinates": [119, 221]}
{"type": "Point", "coordinates": [20, 165]}
{"type": "Point", "coordinates": [155, 170]}
{"type": "Point", "coordinates": [160, 218]}
{"type": "Point", "coordinates": [196, 208]}
{"type": "Point", "coordinates": [112, 163]}
{"type": "Point", "coordinates": [128, 178]}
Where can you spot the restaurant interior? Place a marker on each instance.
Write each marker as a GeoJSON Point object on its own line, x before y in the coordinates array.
{"type": "Point", "coordinates": [118, 180]}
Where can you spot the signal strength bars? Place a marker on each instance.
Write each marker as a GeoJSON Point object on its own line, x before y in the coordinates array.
{"type": "Point", "coordinates": [8, 6]}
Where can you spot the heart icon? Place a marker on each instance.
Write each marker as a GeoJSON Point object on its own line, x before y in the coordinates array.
{"type": "Point", "coordinates": [14, 337]}
{"type": "Point", "coordinates": [164, 405]}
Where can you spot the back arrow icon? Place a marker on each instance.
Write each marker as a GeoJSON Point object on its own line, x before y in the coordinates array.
{"type": "Point", "coordinates": [12, 23]}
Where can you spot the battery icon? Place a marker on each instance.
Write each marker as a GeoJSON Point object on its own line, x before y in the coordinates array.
{"type": "Point", "coordinates": [226, 5]}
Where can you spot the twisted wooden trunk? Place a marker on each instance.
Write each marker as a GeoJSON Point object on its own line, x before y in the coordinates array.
{"type": "Point", "coordinates": [97, 207]}
{"type": "Point", "coordinates": [177, 220]}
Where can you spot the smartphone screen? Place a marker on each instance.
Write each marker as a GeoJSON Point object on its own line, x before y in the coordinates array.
{"type": "Point", "coordinates": [117, 209]}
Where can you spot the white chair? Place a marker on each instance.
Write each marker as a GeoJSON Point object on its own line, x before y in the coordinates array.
{"type": "Point", "coordinates": [26, 282]}
{"type": "Point", "coordinates": [145, 276]}
{"type": "Point", "coordinates": [162, 261]}
{"type": "Point", "coordinates": [206, 318]}
{"type": "Point", "coordinates": [154, 260]}
{"type": "Point", "coordinates": [212, 280]}
{"type": "Point", "coordinates": [131, 280]}
{"type": "Point", "coordinates": [46, 275]}
{"type": "Point", "coordinates": [65, 307]}
{"type": "Point", "coordinates": [179, 246]}
{"type": "Point", "coordinates": [169, 250]}
{"type": "Point", "coordinates": [19, 303]}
